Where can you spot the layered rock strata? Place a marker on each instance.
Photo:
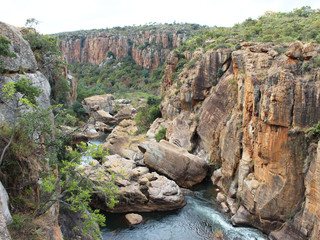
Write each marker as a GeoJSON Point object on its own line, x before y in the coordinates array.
{"type": "Point", "coordinates": [250, 122]}
{"type": "Point", "coordinates": [148, 48]}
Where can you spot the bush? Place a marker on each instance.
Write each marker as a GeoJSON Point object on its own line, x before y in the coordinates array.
{"type": "Point", "coordinates": [314, 132]}
{"type": "Point", "coordinates": [161, 134]}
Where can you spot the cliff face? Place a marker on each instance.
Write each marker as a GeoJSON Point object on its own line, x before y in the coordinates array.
{"type": "Point", "coordinates": [251, 122]}
{"type": "Point", "coordinates": [23, 171]}
{"type": "Point", "coordinates": [148, 48]}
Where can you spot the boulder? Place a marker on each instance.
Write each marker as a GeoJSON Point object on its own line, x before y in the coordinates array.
{"type": "Point", "coordinates": [121, 141]}
{"type": "Point", "coordinates": [181, 130]}
{"type": "Point", "coordinates": [99, 102]}
{"type": "Point", "coordinates": [133, 218]}
{"type": "Point", "coordinates": [38, 80]}
{"type": "Point", "coordinates": [138, 189]}
{"type": "Point", "coordinates": [217, 174]}
{"type": "Point", "coordinates": [156, 126]}
{"type": "Point", "coordinates": [24, 60]}
{"type": "Point", "coordinates": [103, 116]}
{"type": "Point", "coordinates": [125, 113]}
{"type": "Point", "coordinates": [295, 50]}
{"type": "Point", "coordinates": [90, 131]}
{"type": "Point", "coordinates": [221, 197]}
{"type": "Point", "coordinates": [176, 163]}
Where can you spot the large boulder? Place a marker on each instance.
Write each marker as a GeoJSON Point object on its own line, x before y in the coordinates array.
{"type": "Point", "coordinates": [139, 190]}
{"type": "Point", "coordinates": [99, 102]}
{"type": "Point", "coordinates": [124, 140]}
{"type": "Point", "coordinates": [156, 126]}
{"type": "Point", "coordinates": [24, 59]}
{"type": "Point", "coordinates": [38, 80]}
{"type": "Point", "coordinates": [181, 130]}
{"type": "Point", "coordinates": [176, 163]}
{"type": "Point", "coordinates": [133, 218]}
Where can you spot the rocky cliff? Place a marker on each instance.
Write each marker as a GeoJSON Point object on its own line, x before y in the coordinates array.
{"type": "Point", "coordinates": [23, 171]}
{"type": "Point", "coordinates": [147, 45]}
{"type": "Point", "coordinates": [251, 108]}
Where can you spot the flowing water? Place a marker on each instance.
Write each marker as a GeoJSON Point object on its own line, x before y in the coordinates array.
{"type": "Point", "coordinates": [197, 220]}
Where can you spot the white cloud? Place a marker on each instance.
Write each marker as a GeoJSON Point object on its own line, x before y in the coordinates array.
{"type": "Point", "coordinates": [69, 15]}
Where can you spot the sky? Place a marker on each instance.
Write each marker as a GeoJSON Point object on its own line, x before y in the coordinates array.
{"type": "Point", "coordinates": [69, 15]}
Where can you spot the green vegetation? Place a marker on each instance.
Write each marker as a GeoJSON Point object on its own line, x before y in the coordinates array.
{"type": "Point", "coordinates": [148, 113]}
{"type": "Point", "coordinates": [130, 31]}
{"type": "Point", "coordinates": [314, 132]}
{"type": "Point", "coordinates": [161, 134]}
{"type": "Point", "coordinates": [4, 51]}
{"type": "Point", "coordinates": [49, 59]}
{"type": "Point", "coordinates": [31, 137]}
{"type": "Point", "coordinates": [300, 24]}
{"type": "Point", "coordinates": [124, 79]}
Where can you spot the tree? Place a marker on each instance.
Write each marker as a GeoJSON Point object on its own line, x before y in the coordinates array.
{"type": "Point", "coordinates": [31, 23]}
{"type": "Point", "coordinates": [21, 93]}
{"type": "Point", "coordinates": [65, 181]}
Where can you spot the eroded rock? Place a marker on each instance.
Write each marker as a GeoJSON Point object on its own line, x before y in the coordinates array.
{"type": "Point", "coordinates": [133, 218]}
{"type": "Point", "coordinates": [176, 163]}
{"type": "Point", "coordinates": [139, 189]}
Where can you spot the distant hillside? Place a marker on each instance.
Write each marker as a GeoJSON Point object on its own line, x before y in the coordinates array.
{"type": "Point", "coordinates": [300, 24]}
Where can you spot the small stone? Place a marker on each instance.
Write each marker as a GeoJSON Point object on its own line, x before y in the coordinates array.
{"type": "Point", "coordinates": [224, 206]}
{"type": "Point", "coordinates": [133, 218]}
{"type": "Point", "coordinates": [221, 197]}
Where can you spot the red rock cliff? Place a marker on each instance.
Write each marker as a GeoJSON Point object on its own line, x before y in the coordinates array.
{"type": "Point", "coordinates": [147, 47]}
{"type": "Point", "coordinates": [251, 122]}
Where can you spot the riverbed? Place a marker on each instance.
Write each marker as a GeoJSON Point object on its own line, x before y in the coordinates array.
{"type": "Point", "coordinates": [197, 220]}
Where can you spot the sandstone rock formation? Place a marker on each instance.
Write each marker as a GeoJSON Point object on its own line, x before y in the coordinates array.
{"type": "Point", "coordinates": [139, 189]}
{"type": "Point", "coordinates": [156, 126]}
{"type": "Point", "coordinates": [133, 218]}
{"type": "Point", "coordinates": [124, 141]}
{"type": "Point", "coordinates": [147, 47]}
{"type": "Point", "coordinates": [175, 162]}
{"type": "Point", "coordinates": [99, 102]}
{"type": "Point", "coordinates": [25, 59]}
{"type": "Point", "coordinates": [251, 122]}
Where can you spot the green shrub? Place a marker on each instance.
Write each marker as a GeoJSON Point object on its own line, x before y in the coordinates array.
{"type": "Point", "coordinates": [191, 64]}
{"type": "Point", "coordinates": [314, 132]}
{"type": "Point", "coordinates": [161, 134]}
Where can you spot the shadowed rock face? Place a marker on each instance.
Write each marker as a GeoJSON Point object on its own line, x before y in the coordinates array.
{"type": "Point", "coordinates": [251, 124]}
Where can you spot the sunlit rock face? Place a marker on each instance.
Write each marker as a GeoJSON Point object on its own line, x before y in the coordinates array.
{"type": "Point", "coordinates": [148, 48]}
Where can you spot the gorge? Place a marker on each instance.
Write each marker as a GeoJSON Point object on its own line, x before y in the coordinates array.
{"type": "Point", "coordinates": [243, 116]}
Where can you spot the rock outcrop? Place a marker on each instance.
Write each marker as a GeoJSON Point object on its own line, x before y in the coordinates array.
{"type": "Point", "coordinates": [148, 47]}
{"type": "Point", "coordinates": [23, 65]}
{"type": "Point", "coordinates": [124, 141]}
{"type": "Point", "coordinates": [174, 162]}
{"type": "Point", "coordinates": [139, 190]}
{"type": "Point", "coordinates": [251, 118]}
{"type": "Point", "coordinates": [24, 59]}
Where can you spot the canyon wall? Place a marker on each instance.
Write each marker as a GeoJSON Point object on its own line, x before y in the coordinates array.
{"type": "Point", "coordinates": [147, 46]}
{"type": "Point", "coordinates": [251, 108]}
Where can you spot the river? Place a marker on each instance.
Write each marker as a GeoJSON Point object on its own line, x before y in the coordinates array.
{"type": "Point", "coordinates": [196, 221]}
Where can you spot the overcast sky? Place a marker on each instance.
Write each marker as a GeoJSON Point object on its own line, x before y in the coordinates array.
{"type": "Point", "coordinates": [70, 15]}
